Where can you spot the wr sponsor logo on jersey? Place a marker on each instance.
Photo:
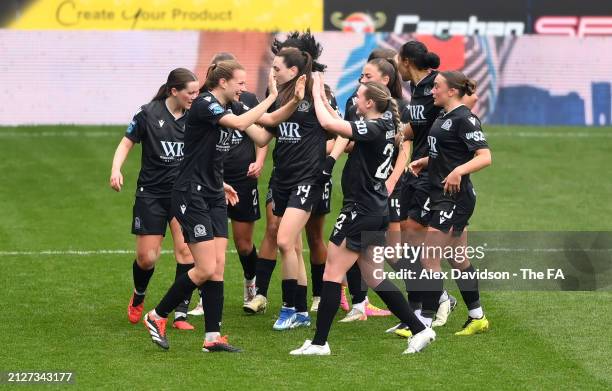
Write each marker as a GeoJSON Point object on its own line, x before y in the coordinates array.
{"type": "Point", "coordinates": [172, 149]}
{"type": "Point", "coordinates": [224, 138]}
{"type": "Point", "coordinates": [433, 151]}
{"type": "Point", "coordinates": [417, 112]}
{"type": "Point", "coordinates": [289, 132]}
{"type": "Point", "coordinates": [476, 136]}
{"type": "Point", "coordinates": [237, 137]}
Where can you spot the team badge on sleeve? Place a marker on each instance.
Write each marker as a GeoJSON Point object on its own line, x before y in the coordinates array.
{"type": "Point", "coordinates": [215, 108]}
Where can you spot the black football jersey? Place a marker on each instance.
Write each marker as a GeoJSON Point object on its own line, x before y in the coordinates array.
{"type": "Point", "coordinates": [242, 148]}
{"type": "Point", "coordinates": [206, 144]}
{"type": "Point", "coordinates": [352, 115]}
{"type": "Point", "coordinates": [368, 166]}
{"type": "Point", "coordinates": [421, 114]}
{"type": "Point", "coordinates": [161, 136]}
{"type": "Point", "coordinates": [299, 152]}
{"type": "Point", "coordinates": [452, 140]}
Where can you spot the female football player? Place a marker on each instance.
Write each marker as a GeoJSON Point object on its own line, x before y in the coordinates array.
{"type": "Point", "coordinates": [298, 156]}
{"type": "Point", "coordinates": [365, 208]}
{"type": "Point", "coordinates": [314, 227]}
{"type": "Point", "coordinates": [382, 70]}
{"type": "Point", "coordinates": [199, 200]}
{"type": "Point", "coordinates": [457, 148]}
{"type": "Point", "coordinates": [159, 126]}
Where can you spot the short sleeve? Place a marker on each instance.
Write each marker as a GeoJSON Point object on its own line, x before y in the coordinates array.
{"type": "Point", "coordinates": [210, 112]}
{"type": "Point", "coordinates": [471, 134]}
{"type": "Point", "coordinates": [365, 130]}
{"type": "Point", "coordinates": [136, 130]}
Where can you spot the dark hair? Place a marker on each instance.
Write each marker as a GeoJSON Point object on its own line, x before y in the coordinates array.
{"type": "Point", "coordinates": [382, 53]}
{"type": "Point", "coordinates": [305, 42]}
{"type": "Point", "coordinates": [178, 78]}
{"type": "Point", "coordinates": [383, 101]}
{"type": "Point", "coordinates": [222, 56]}
{"type": "Point", "coordinates": [387, 67]}
{"type": "Point", "coordinates": [457, 80]}
{"type": "Point", "coordinates": [293, 57]}
{"type": "Point", "coordinates": [418, 54]}
{"type": "Point", "coordinates": [222, 70]}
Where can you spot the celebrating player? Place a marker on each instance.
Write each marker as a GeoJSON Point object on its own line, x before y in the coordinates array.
{"type": "Point", "coordinates": [381, 70]}
{"type": "Point", "coordinates": [199, 200]}
{"type": "Point", "coordinates": [159, 126]}
{"type": "Point", "coordinates": [314, 227]}
{"type": "Point", "coordinates": [298, 155]}
{"type": "Point", "coordinates": [365, 208]}
{"type": "Point", "coordinates": [457, 148]}
{"type": "Point", "coordinates": [242, 166]}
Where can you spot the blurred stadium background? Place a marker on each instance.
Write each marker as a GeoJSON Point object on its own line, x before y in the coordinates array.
{"type": "Point", "coordinates": [72, 74]}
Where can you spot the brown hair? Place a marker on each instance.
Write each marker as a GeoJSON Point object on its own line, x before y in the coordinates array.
{"type": "Point", "coordinates": [383, 101]}
{"type": "Point", "coordinates": [382, 53]}
{"type": "Point", "coordinates": [293, 57]}
{"type": "Point", "coordinates": [460, 82]}
{"type": "Point", "coordinates": [221, 70]}
{"type": "Point", "coordinates": [178, 78]}
{"type": "Point", "coordinates": [222, 56]}
{"type": "Point", "coordinates": [387, 67]}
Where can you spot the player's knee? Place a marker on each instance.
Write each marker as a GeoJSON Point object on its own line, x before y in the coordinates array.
{"type": "Point", "coordinates": [183, 255]}
{"type": "Point", "coordinates": [147, 258]}
{"type": "Point", "coordinates": [244, 246]}
{"type": "Point", "coordinates": [202, 273]}
{"type": "Point", "coordinates": [285, 243]}
{"type": "Point", "coordinates": [272, 228]}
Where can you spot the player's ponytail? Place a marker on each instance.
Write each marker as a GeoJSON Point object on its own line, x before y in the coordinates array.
{"type": "Point", "coordinates": [302, 60]}
{"type": "Point", "coordinates": [221, 70]}
{"type": "Point", "coordinates": [418, 55]}
{"type": "Point", "coordinates": [383, 102]}
{"type": "Point", "coordinates": [178, 78]}
{"type": "Point", "coordinates": [460, 82]}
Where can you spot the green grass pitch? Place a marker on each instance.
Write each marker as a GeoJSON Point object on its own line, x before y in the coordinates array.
{"type": "Point", "coordinates": [66, 312]}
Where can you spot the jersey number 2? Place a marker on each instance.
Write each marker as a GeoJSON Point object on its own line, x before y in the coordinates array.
{"type": "Point", "coordinates": [383, 170]}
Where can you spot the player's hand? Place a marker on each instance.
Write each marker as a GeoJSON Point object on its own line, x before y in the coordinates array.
{"type": "Point", "coordinates": [254, 170]}
{"type": "Point", "coordinates": [300, 88]}
{"type": "Point", "coordinates": [416, 166]}
{"type": "Point", "coordinates": [272, 90]}
{"type": "Point", "coordinates": [452, 183]}
{"type": "Point", "coordinates": [116, 180]}
{"type": "Point", "coordinates": [231, 196]}
{"type": "Point", "coordinates": [327, 171]}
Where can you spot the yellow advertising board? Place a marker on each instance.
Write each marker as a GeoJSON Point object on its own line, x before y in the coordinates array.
{"type": "Point", "coordinates": [228, 15]}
